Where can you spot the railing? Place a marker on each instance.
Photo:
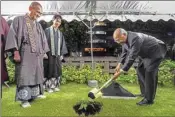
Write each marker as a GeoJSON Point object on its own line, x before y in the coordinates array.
{"type": "Point", "coordinates": [108, 63]}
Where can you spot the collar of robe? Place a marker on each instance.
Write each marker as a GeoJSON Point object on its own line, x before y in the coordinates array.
{"type": "Point", "coordinates": [52, 41]}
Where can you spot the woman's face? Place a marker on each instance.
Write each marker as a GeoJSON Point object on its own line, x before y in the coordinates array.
{"type": "Point", "coordinates": [57, 22]}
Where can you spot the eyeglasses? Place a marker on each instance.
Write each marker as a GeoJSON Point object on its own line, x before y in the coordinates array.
{"type": "Point", "coordinates": [40, 13]}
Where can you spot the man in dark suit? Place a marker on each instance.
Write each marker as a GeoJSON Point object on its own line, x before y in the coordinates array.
{"type": "Point", "coordinates": [150, 50]}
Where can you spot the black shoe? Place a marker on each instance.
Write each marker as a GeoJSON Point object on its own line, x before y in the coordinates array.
{"type": "Point", "coordinates": [144, 102]}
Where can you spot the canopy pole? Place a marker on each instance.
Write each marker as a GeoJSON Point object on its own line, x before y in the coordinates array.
{"type": "Point", "coordinates": [91, 35]}
{"type": "Point", "coordinates": [82, 21]}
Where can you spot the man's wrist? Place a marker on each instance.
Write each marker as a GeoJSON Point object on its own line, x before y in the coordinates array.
{"type": "Point", "coordinates": [119, 65]}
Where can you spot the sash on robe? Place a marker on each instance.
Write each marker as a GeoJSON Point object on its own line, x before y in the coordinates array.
{"type": "Point", "coordinates": [30, 32]}
{"type": "Point", "coordinates": [52, 41]}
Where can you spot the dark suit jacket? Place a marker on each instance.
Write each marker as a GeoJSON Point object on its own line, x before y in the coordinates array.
{"type": "Point", "coordinates": [142, 45]}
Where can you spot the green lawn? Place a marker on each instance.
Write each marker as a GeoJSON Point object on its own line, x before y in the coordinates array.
{"type": "Point", "coordinates": [60, 103]}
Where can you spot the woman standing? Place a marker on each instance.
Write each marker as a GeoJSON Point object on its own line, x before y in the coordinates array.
{"type": "Point", "coordinates": [52, 65]}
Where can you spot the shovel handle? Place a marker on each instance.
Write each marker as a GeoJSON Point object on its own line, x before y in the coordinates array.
{"type": "Point", "coordinates": [110, 80]}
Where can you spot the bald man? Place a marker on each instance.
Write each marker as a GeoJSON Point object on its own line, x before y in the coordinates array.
{"type": "Point", "coordinates": [27, 42]}
{"type": "Point", "coordinates": [150, 50]}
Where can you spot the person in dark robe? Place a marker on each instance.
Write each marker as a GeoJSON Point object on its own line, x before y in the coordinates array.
{"type": "Point", "coordinates": [52, 67]}
{"type": "Point", "coordinates": [4, 28]}
{"type": "Point", "coordinates": [27, 42]}
{"type": "Point", "coordinates": [151, 50]}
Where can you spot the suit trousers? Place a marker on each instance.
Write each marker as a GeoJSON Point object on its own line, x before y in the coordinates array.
{"type": "Point", "coordinates": [147, 73]}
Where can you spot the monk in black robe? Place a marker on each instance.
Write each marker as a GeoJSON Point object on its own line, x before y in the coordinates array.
{"type": "Point", "coordinates": [52, 65]}
{"type": "Point", "coordinates": [27, 42]}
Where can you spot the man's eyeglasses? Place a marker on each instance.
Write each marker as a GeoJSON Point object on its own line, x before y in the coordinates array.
{"type": "Point", "coordinates": [40, 13]}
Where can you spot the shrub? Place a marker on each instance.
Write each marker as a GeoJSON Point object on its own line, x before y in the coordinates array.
{"type": "Point", "coordinates": [11, 70]}
{"type": "Point", "coordinates": [84, 73]}
{"type": "Point", "coordinates": [166, 75]}
{"type": "Point", "coordinates": [130, 77]}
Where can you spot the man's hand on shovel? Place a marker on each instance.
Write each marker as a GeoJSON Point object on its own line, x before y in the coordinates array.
{"type": "Point", "coordinates": [117, 74]}
{"type": "Point", "coordinates": [117, 69]}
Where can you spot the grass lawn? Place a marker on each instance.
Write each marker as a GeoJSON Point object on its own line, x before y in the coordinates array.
{"type": "Point", "coordinates": [60, 103]}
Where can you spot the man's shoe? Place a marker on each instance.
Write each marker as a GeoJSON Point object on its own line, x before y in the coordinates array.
{"type": "Point", "coordinates": [56, 89]}
{"type": "Point", "coordinates": [41, 96]}
{"type": "Point", "coordinates": [25, 104]}
{"type": "Point", "coordinates": [144, 102]}
{"type": "Point", "coordinates": [50, 91]}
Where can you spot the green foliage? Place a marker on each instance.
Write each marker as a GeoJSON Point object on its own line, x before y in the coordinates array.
{"type": "Point", "coordinates": [69, 35]}
{"type": "Point", "coordinates": [75, 34]}
{"type": "Point", "coordinates": [166, 75]}
{"type": "Point", "coordinates": [11, 70]}
{"type": "Point", "coordinates": [130, 77]}
{"type": "Point", "coordinates": [99, 74]}
{"type": "Point", "coordinates": [83, 74]}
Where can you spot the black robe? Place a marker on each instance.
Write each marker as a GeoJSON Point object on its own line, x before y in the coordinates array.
{"type": "Point", "coordinates": [52, 65]}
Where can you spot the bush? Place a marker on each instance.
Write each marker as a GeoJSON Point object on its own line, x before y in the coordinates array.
{"type": "Point", "coordinates": [11, 70]}
{"type": "Point", "coordinates": [130, 77]}
{"type": "Point", "coordinates": [166, 75]}
{"type": "Point", "coordinates": [84, 73]}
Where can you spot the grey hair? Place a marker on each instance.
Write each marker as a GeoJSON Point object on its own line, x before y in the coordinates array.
{"type": "Point", "coordinates": [34, 4]}
{"type": "Point", "coordinates": [123, 31]}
